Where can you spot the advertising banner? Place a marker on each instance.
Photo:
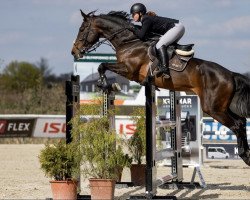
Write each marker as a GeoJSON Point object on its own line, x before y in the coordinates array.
{"type": "Point", "coordinates": [51, 127]}
{"type": "Point", "coordinates": [124, 125]}
{"type": "Point", "coordinates": [15, 127]}
{"type": "Point", "coordinates": [213, 131]}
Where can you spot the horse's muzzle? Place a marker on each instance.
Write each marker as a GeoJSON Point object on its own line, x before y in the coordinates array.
{"type": "Point", "coordinates": [77, 55]}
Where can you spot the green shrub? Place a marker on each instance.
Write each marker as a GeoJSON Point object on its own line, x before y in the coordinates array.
{"type": "Point", "coordinates": [97, 143]}
{"type": "Point", "coordinates": [58, 161]}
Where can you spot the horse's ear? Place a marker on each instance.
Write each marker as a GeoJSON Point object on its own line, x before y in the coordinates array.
{"type": "Point", "coordinates": [84, 15]}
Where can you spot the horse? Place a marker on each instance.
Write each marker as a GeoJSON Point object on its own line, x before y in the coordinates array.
{"type": "Point", "coordinates": [223, 94]}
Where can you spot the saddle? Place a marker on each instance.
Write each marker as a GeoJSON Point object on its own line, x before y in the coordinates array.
{"type": "Point", "coordinates": [178, 59]}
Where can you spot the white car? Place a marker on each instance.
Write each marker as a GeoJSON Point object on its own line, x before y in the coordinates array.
{"type": "Point", "coordinates": [217, 152]}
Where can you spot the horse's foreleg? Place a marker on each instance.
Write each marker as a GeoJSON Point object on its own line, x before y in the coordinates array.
{"type": "Point", "coordinates": [102, 69]}
{"type": "Point", "coordinates": [238, 126]}
{"type": "Point", "coordinates": [102, 81]}
{"type": "Point", "coordinates": [118, 68]}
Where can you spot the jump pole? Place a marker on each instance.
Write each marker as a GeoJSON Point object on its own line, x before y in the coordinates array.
{"type": "Point", "coordinates": [72, 91]}
{"type": "Point", "coordinates": [175, 153]}
{"type": "Point", "coordinates": [152, 156]}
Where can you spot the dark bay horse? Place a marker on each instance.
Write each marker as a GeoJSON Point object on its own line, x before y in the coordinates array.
{"type": "Point", "coordinates": [224, 95]}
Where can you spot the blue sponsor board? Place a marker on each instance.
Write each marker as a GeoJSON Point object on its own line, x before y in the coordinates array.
{"type": "Point", "coordinates": [213, 130]}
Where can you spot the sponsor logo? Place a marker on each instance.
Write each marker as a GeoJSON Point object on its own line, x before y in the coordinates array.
{"type": "Point", "coordinates": [128, 129]}
{"type": "Point", "coordinates": [183, 101]}
{"type": "Point", "coordinates": [18, 126]}
{"type": "Point", "coordinates": [54, 127]}
{"type": "Point", "coordinates": [186, 102]}
{"type": "Point", "coordinates": [213, 130]}
{"type": "Point", "coordinates": [2, 126]}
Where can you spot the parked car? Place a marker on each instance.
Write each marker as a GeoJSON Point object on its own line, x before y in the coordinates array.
{"type": "Point", "coordinates": [217, 152]}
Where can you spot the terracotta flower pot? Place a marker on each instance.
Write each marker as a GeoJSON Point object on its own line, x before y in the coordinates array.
{"type": "Point", "coordinates": [102, 188]}
{"type": "Point", "coordinates": [64, 189]}
{"type": "Point", "coordinates": [138, 174]}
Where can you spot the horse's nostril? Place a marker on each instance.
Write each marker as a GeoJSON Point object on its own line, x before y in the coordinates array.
{"type": "Point", "coordinates": [72, 53]}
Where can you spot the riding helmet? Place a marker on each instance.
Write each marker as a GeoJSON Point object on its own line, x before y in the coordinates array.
{"type": "Point", "coordinates": [138, 8]}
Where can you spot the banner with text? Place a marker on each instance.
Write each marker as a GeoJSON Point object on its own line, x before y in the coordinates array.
{"type": "Point", "coordinates": [52, 127]}
{"type": "Point", "coordinates": [212, 130]}
{"type": "Point", "coordinates": [16, 127]}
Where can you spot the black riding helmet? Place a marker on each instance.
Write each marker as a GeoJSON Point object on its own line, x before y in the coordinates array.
{"type": "Point", "coordinates": [138, 8]}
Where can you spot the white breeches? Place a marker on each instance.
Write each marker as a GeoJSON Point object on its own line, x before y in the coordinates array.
{"type": "Point", "coordinates": [172, 35]}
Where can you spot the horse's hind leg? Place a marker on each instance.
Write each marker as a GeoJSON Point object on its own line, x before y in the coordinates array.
{"type": "Point", "coordinates": [238, 126]}
{"type": "Point", "coordinates": [243, 147]}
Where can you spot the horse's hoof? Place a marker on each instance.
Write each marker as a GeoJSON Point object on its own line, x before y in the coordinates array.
{"type": "Point", "coordinates": [116, 87]}
{"type": "Point", "coordinates": [246, 157]}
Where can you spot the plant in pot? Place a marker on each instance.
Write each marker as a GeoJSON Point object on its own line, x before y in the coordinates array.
{"type": "Point", "coordinates": [137, 148]}
{"type": "Point", "coordinates": [100, 159]}
{"type": "Point", "coordinates": [59, 163]}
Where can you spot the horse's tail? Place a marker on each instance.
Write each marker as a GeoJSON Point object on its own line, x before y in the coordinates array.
{"type": "Point", "coordinates": [241, 99]}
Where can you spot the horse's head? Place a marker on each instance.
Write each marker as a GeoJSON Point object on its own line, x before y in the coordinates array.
{"type": "Point", "coordinates": [87, 36]}
{"type": "Point", "coordinates": [113, 26]}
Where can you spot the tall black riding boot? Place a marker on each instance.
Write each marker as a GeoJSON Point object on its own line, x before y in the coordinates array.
{"type": "Point", "coordinates": [164, 59]}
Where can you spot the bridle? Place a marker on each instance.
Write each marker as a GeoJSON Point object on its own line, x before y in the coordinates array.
{"type": "Point", "coordinates": [84, 38]}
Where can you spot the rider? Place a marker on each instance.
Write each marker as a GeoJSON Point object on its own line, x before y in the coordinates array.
{"type": "Point", "coordinates": [170, 29]}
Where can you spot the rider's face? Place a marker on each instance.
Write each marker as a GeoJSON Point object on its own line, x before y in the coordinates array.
{"type": "Point", "coordinates": [136, 17]}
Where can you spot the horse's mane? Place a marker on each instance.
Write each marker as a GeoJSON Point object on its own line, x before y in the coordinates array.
{"type": "Point", "coordinates": [121, 16]}
{"type": "Point", "coordinates": [123, 19]}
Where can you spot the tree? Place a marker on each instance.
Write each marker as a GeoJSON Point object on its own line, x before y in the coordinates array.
{"type": "Point", "coordinates": [24, 89]}
{"type": "Point", "coordinates": [20, 76]}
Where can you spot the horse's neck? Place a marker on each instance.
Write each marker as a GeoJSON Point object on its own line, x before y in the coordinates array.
{"type": "Point", "coordinates": [109, 31]}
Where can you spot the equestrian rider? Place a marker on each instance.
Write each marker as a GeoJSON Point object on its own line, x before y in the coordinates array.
{"type": "Point", "coordinates": [170, 29]}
